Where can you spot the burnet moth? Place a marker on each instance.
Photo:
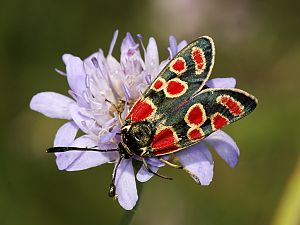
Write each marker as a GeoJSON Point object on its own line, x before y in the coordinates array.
{"type": "Point", "coordinates": [177, 110]}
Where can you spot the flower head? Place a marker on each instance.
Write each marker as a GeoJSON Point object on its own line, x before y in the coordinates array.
{"type": "Point", "coordinates": [99, 83]}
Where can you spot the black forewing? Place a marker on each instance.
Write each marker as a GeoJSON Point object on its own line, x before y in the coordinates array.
{"type": "Point", "coordinates": [191, 77]}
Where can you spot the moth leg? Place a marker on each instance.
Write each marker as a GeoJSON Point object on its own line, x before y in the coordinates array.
{"type": "Point", "coordinates": [120, 118]}
{"type": "Point", "coordinates": [112, 186]}
{"type": "Point", "coordinates": [170, 164]}
{"type": "Point", "coordinates": [119, 108]}
{"type": "Point", "coordinates": [144, 151]}
{"type": "Point", "coordinates": [151, 171]}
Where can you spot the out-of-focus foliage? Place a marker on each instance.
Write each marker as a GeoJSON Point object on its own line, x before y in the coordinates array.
{"type": "Point", "coordinates": [258, 42]}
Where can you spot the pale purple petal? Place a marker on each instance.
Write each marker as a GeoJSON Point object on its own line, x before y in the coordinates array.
{"type": "Point", "coordinates": [105, 138]}
{"type": "Point", "coordinates": [155, 161]}
{"type": "Point", "coordinates": [114, 68]}
{"type": "Point", "coordinates": [126, 185]}
{"type": "Point", "coordinates": [113, 42]}
{"type": "Point", "coordinates": [229, 82]}
{"type": "Point", "coordinates": [151, 57]}
{"type": "Point", "coordinates": [91, 64]}
{"type": "Point", "coordinates": [127, 44]}
{"type": "Point", "coordinates": [161, 66]}
{"type": "Point", "coordinates": [126, 92]}
{"type": "Point", "coordinates": [225, 147]}
{"type": "Point", "coordinates": [116, 76]}
{"type": "Point", "coordinates": [80, 160]}
{"type": "Point", "coordinates": [181, 45]}
{"type": "Point", "coordinates": [131, 61]}
{"type": "Point", "coordinates": [173, 46]}
{"type": "Point", "coordinates": [75, 73]}
{"type": "Point", "coordinates": [65, 134]}
{"type": "Point", "coordinates": [83, 120]}
{"type": "Point", "coordinates": [52, 105]}
{"type": "Point", "coordinates": [108, 145]}
{"type": "Point", "coordinates": [148, 78]}
{"type": "Point", "coordinates": [143, 175]}
{"type": "Point", "coordinates": [94, 66]}
{"type": "Point", "coordinates": [197, 161]}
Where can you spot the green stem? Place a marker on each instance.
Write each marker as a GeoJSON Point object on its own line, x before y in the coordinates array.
{"type": "Point", "coordinates": [289, 206]}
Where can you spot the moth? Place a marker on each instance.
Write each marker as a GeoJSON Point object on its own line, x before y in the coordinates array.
{"type": "Point", "coordinates": [177, 110]}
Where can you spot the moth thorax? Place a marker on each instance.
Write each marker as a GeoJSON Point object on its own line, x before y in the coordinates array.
{"type": "Point", "coordinates": [141, 133]}
{"type": "Point", "coordinates": [137, 136]}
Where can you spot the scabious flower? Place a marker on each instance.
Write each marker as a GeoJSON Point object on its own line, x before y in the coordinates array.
{"type": "Point", "coordinates": [97, 82]}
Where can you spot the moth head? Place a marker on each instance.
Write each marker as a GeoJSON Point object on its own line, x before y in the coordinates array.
{"type": "Point", "coordinates": [136, 136]}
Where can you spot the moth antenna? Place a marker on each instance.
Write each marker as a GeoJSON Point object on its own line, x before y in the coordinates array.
{"type": "Point", "coordinates": [112, 186]}
{"type": "Point", "coordinates": [66, 149]}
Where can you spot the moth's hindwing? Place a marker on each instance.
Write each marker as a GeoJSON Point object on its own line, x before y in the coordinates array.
{"type": "Point", "coordinates": [184, 75]}
{"type": "Point", "coordinates": [204, 113]}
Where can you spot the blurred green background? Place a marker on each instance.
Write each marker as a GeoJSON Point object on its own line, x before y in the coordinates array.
{"type": "Point", "coordinates": [258, 42]}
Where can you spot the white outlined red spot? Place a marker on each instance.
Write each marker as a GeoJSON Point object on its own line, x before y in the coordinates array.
{"type": "Point", "coordinates": [159, 84]}
{"type": "Point", "coordinates": [199, 59]}
{"type": "Point", "coordinates": [195, 116]}
{"type": "Point", "coordinates": [218, 121]}
{"type": "Point", "coordinates": [143, 109]}
{"type": "Point", "coordinates": [195, 134]}
{"type": "Point", "coordinates": [234, 106]}
{"type": "Point", "coordinates": [175, 88]}
{"type": "Point", "coordinates": [165, 140]}
{"type": "Point", "coordinates": [178, 65]}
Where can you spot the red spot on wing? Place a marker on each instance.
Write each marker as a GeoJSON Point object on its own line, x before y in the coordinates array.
{"type": "Point", "coordinates": [165, 140]}
{"type": "Point", "coordinates": [195, 134]}
{"type": "Point", "coordinates": [158, 84]}
{"type": "Point", "coordinates": [141, 110]}
{"type": "Point", "coordinates": [178, 65]}
{"type": "Point", "coordinates": [219, 121]}
{"type": "Point", "coordinates": [175, 88]}
{"type": "Point", "coordinates": [235, 107]}
{"type": "Point", "coordinates": [195, 115]}
{"type": "Point", "coordinates": [199, 59]}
